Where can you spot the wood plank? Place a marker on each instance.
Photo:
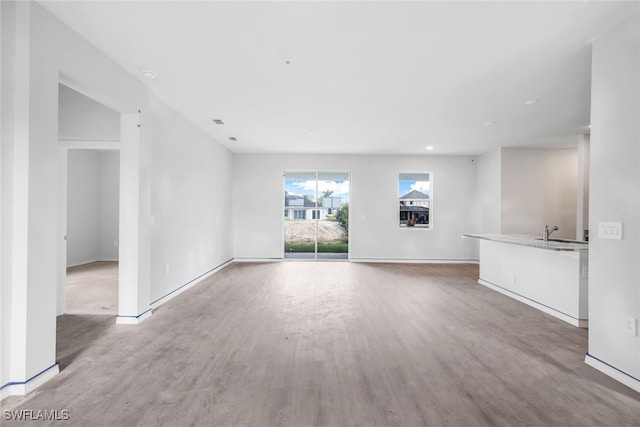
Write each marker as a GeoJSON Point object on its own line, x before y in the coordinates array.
{"type": "Point", "coordinates": [333, 344]}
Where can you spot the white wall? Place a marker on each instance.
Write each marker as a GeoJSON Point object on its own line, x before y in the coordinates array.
{"type": "Point", "coordinates": [49, 52]}
{"type": "Point", "coordinates": [108, 204]}
{"type": "Point", "coordinates": [374, 230]}
{"type": "Point", "coordinates": [488, 192]}
{"type": "Point", "coordinates": [82, 207]}
{"type": "Point", "coordinates": [7, 39]}
{"type": "Point", "coordinates": [92, 206]}
{"type": "Point", "coordinates": [539, 187]}
{"type": "Point", "coordinates": [191, 202]}
{"type": "Point", "coordinates": [82, 118]}
{"type": "Point", "coordinates": [614, 267]}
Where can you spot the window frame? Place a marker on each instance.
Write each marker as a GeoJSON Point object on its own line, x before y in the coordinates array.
{"type": "Point", "coordinates": [399, 180]}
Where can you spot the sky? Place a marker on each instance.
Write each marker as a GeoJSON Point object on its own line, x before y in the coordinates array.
{"type": "Point", "coordinates": [407, 186]}
{"type": "Point", "coordinates": [339, 188]}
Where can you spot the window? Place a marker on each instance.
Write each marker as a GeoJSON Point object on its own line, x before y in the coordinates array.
{"type": "Point", "coordinates": [414, 198]}
{"type": "Point", "coordinates": [299, 214]}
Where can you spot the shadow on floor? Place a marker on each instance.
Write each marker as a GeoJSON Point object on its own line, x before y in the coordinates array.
{"type": "Point", "coordinates": [76, 332]}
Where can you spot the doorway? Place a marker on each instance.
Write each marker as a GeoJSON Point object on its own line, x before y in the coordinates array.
{"type": "Point", "coordinates": [316, 215]}
{"type": "Point", "coordinates": [92, 236]}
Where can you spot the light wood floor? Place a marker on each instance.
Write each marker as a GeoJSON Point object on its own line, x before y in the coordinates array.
{"type": "Point", "coordinates": [332, 344]}
{"type": "Point", "coordinates": [92, 288]}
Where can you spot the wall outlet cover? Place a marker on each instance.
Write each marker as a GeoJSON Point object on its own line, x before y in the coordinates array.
{"type": "Point", "coordinates": [610, 230]}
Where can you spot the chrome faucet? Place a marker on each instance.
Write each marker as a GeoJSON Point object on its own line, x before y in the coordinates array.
{"type": "Point", "coordinates": [547, 232]}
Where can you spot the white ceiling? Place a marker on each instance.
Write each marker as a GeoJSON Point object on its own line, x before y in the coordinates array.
{"type": "Point", "coordinates": [361, 77]}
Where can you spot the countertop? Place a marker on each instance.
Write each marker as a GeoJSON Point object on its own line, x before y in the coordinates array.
{"type": "Point", "coordinates": [533, 241]}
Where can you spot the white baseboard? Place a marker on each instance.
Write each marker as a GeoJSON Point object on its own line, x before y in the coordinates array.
{"type": "Point", "coordinates": [20, 388]}
{"type": "Point", "coordinates": [369, 260]}
{"type": "Point", "coordinates": [133, 320]}
{"type": "Point", "coordinates": [157, 303]}
{"type": "Point", "coordinates": [581, 323]}
{"type": "Point", "coordinates": [416, 261]}
{"type": "Point", "coordinates": [614, 373]}
{"type": "Point", "coordinates": [91, 261]}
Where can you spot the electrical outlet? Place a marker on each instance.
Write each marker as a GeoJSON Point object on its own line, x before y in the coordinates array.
{"type": "Point", "coordinates": [631, 325]}
{"type": "Point", "coordinates": [115, 243]}
{"type": "Point", "coordinates": [166, 269]}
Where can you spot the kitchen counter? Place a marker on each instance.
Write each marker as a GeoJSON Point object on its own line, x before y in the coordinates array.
{"type": "Point", "coordinates": [551, 276]}
{"type": "Point", "coordinates": [534, 242]}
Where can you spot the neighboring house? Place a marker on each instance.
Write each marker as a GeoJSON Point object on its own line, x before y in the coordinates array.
{"type": "Point", "coordinates": [297, 207]}
{"type": "Point", "coordinates": [414, 206]}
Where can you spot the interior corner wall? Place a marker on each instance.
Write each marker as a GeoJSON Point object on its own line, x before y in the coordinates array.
{"type": "Point", "coordinates": [258, 197]}
{"type": "Point", "coordinates": [539, 187]}
{"type": "Point", "coordinates": [92, 206]}
{"type": "Point", "coordinates": [82, 207]}
{"type": "Point", "coordinates": [614, 290]}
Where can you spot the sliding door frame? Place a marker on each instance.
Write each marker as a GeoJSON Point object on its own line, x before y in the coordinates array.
{"type": "Point", "coordinates": [316, 172]}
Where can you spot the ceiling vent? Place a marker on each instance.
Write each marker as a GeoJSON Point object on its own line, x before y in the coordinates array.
{"type": "Point", "coordinates": [218, 121]}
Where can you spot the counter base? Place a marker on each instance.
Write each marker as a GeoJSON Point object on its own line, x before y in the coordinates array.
{"type": "Point", "coordinates": [581, 323]}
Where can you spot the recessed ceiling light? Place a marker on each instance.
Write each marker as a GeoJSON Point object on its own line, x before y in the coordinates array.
{"type": "Point", "coordinates": [429, 147]}
{"type": "Point", "coordinates": [218, 121]}
{"type": "Point", "coordinates": [233, 138]}
{"type": "Point", "coordinates": [490, 122]}
{"type": "Point", "coordinates": [150, 74]}
{"type": "Point", "coordinates": [531, 101]}
{"type": "Point", "coordinates": [589, 126]}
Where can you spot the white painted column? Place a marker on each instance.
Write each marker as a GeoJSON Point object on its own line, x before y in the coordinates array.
{"type": "Point", "coordinates": [133, 290]}
{"type": "Point", "coordinates": [28, 336]}
{"type": "Point", "coordinates": [61, 306]}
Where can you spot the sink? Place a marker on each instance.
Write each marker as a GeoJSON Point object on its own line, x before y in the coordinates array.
{"type": "Point", "coordinates": [563, 240]}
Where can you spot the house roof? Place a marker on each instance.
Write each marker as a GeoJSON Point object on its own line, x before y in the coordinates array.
{"type": "Point", "coordinates": [414, 194]}
{"type": "Point", "coordinates": [306, 202]}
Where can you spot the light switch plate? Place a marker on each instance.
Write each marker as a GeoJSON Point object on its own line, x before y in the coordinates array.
{"type": "Point", "coordinates": [610, 230]}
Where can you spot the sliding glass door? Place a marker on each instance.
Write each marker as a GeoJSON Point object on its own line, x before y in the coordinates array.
{"type": "Point", "coordinates": [316, 215]}
{"type": "Point", "coordinates": [300, 210]}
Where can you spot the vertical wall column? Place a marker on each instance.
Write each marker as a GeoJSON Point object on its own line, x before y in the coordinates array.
{"type": "Point", "coordinates": [582, 219]}
{"type": "Point", "coordinates": [133, 290]}
{"type": "Point", "coordinates": [28, 322]}
{"type": "Point", "coordinates": [614, 293]}
{"type": "Point", "coordinates": [61, 305]}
